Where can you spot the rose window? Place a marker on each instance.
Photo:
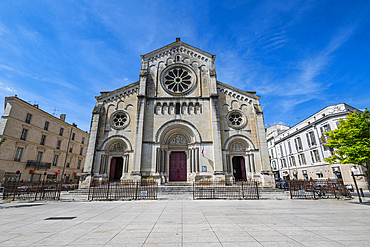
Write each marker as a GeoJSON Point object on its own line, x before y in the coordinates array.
{"type": "Point", "coordinates": [178, 80]}
{"type": "Point", "coordinates": [119, 120]}
{"type": "Point", "coordinates": [236, 119]}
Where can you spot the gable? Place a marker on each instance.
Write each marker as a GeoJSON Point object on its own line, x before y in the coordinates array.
{"type": "Point", "coordinates": [179, 48]}
{"type": "Point", "coordinates": [177, 69]}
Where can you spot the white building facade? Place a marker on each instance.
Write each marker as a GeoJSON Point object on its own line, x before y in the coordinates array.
{"type": "Point", "coordinates": [301, 151]}
{"type": "Point", "coordinates": [271, 133]}
{"type": "Point", "coordinates": [177, 123]}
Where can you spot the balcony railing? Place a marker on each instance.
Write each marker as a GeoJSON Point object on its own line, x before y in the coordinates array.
{"type": "Point", "coordinates": [36, 164]}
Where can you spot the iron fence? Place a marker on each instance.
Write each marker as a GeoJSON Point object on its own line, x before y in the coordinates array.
{"type": "Point", "coordinates": [124, 190]}
{"type": "Point", "coordinates": [304, 189]}
{"type": "Point", "coordinates": [32, 190]}
{"type": "Point", "coordinates": [208, 189]}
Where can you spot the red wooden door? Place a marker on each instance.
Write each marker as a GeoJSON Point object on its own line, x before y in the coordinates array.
{"type": "Point", "coordinates": [112, 169]}
{"type": "Point", "coordinates": [242, 166]}
{"type": "Point", "coordinates": [178, 166]}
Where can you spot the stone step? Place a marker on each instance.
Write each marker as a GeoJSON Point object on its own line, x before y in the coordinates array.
{"type": "Point", "coordinates": [176, 189]}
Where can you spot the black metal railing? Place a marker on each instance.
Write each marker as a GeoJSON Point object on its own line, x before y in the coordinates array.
{"type": "Point", "coordinates": [32, 190]}
{"type": "Point", "coordinates": [41, 190]}
{"type": "Point", "coordinates": [124, 190]}
{"type": "Point", "coordinates": [323, 189]}
{"type": "Point", "coordinates": [36, 164]}
{"type": "Point", "coordinates": [208, 189]}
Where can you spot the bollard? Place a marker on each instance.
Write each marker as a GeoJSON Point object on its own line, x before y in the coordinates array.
{"type": "Point", "coordinates": [361, 192]}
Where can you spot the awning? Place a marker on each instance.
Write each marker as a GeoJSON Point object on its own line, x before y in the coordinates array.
{"type": "Point", "coordinates": [42, 172]}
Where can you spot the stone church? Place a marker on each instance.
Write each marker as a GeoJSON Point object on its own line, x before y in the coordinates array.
{"type": "Point", "coordinates": [177, 123]}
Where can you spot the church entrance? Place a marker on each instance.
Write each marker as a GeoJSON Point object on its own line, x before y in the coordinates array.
{"type": "Point", "coordinates": [116, 168]}
{"type": "Point", "coordinates": [239, 168]}
{"type": "Point", "coordinates": [178, 171]}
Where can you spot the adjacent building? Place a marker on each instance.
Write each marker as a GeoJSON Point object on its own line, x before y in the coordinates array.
{"type": "Point", "coordinates": [38, 143]}
{"type": "Point", "coordinates": [300, 150]}
{"type": "Point", "coordinates": [271, 133]}
{"type": "Point", "coordinates": [178, 124]}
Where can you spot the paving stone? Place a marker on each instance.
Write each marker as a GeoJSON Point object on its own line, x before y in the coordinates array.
{"type": "Point", "coordinates": [187, 223]}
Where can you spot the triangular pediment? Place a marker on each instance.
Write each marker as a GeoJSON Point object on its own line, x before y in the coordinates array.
{"type": "Point", "coordinates": [178, 47]}
{"type": "Point", "coordinates": [232, 91]}
{"type": "Point", "coordinates": [123, 91]}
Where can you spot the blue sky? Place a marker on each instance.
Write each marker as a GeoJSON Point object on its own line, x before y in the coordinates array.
{"type": "Point", "coordinates": [298, 55]}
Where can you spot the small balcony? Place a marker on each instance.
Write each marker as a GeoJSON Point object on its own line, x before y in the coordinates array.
{"type": "Point", "coordinates": [36, 164]}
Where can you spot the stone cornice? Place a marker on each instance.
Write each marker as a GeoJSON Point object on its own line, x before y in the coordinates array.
{"type": "Point", "coordinates": [120, 92]}
{"type": "Point", "coordinates": [222, 87]}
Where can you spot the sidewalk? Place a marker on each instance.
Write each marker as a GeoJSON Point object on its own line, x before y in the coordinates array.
{"type": "Point", "coordinates": [328, 222]}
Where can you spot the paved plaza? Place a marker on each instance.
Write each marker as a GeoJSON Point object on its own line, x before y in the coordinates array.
{"type": "Point", "coordinates": [186, 223]}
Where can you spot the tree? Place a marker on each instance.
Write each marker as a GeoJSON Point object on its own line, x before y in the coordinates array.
{"type": "Point", "coordinates": [2, 140]}
{"type": "Point", "coordinates": [351, 141]}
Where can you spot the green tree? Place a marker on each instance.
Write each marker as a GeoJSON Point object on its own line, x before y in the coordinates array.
{"type": "Point", "coordinates": [351, 141]}
{"type": "Point", "coordinates": [2, 140]}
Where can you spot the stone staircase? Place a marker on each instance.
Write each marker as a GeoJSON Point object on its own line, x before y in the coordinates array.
{"type": "Point", "coordinates": [180, 191]}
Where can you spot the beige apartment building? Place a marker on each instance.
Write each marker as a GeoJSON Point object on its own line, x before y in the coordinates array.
{"type": "Point", "coordinates": [38, 143]}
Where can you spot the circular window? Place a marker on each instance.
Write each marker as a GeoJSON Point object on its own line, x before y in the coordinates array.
{"type": "Point", "coordinates": [119, 120]}
{"type": "Point", "coordinates": [236, 119]}
{"type": "Point", "coordinates": [178, 80]}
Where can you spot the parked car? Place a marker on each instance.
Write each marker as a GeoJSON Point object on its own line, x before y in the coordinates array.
{"type": "Point", "coordinates": [282, 184]}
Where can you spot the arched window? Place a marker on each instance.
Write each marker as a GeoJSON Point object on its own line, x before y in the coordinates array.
{"type": "Point", "coordinates": [177, 108]}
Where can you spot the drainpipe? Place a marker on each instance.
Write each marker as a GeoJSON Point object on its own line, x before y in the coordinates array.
{"type": "Point", "coordinates": [65, 160]}
{"type": "Point", "coordinates": [287, 160]}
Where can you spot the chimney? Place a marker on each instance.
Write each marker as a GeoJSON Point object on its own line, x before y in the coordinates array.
{"type": "Point", "coordinates": [63, 117]}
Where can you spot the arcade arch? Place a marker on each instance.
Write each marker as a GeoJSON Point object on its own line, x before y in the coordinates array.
{"type": "Point", "coordinates": [177, 151]}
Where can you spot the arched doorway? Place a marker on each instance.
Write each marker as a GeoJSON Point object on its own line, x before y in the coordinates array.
{"type": "Point", "coordinates": [178, 171]}
{"type": "Point", "coordinates": [239, 168]}
{"type": "Point", "coordinates": [116, 168]}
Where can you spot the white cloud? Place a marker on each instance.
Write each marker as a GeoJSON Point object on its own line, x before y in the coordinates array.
{"type": "Point", "coordinates": [7, 88]}
{"type": "Point", "coordinates": [35, 77]}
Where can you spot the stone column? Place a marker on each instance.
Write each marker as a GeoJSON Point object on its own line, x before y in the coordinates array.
{"type": "Point", "coordinates": [191, 164]}
{"type": "Point", "coordinates": [90, 153]}
{"type": "Point", "coordinates": [124, 164]}
{"type": "Point", "coordinates": [247, 163]}
{"type": "Point", "coordinates": [106, 161]}
{"type": "Point", "coordinates": [216, 136]}
{"type": "Point", "coordinates": [96, 168]}
{"type": "Point", "coordinates": [194, 157]}
{"type": "Point", "coordinates": [165, 159]}
{"type": "Point", "coordinates": [139, 134]}
{"type": "Point", "coordinates": [251, 162]}
{"type": "Point", "coordinates": [158, 160]}
{"type": "Point", "coordinates": [102, 163]}
{"type": "Point", "coordinates": [263, 162]}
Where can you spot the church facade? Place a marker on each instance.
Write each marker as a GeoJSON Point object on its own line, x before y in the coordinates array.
{"type": "Point", "coordinates": [177, 123]}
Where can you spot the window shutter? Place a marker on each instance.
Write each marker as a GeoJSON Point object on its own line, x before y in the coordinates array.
{"type": "Point", "coordinates": [313, 160]}
{"type": "Point", "coordinates": [313, 138]}
{"type": "Point", "coordinates": [308, 140]}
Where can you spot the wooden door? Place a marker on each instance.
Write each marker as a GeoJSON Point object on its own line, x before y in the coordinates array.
{"type": "Point", "coordinates": [178, 170]}
{"type": "Point", "coordinates": [112, 169]}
